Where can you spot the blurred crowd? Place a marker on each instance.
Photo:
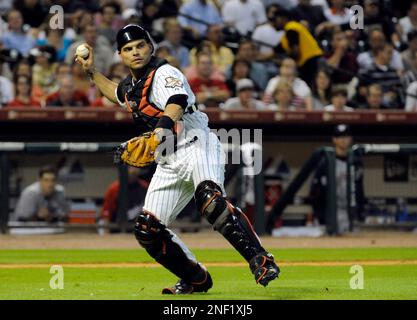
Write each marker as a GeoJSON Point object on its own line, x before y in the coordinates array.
{"type": "Point", "coordinates": [236, 54]}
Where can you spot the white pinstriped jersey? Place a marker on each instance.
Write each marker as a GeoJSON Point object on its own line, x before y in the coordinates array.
{"type": "Point", "coordinates": [169, 81]}
{"type": "Point", "coordinates": [177, 176]}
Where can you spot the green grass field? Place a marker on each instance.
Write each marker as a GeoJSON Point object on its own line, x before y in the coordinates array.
{"type": "Point", "coordinates": [389, 273]}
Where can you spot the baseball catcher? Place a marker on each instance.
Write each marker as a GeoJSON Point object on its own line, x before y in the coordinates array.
{"type": "Point", "coordinates": [189, 159]}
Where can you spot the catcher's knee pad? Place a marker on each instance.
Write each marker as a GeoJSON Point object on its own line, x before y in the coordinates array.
{"type": "Point", "coordinates": [210, 203]}
{"type": "Point", "coordinates": [148, 231]}
{"type": "Point", "coordinates": [229, 220]}
{"type": "Point", "coordinates": [165, 247]}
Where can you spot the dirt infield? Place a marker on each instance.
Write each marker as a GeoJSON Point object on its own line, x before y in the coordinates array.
{"type": "Point", "coordinates": [206, 239]}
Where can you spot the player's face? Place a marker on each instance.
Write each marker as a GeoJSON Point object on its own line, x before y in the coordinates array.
{"type": "Point", "coordinates": [136, 54]}
{"type": "Point", "coordinates": [343, 142]}
{"type": "Point", "coordinates": [47, 182]}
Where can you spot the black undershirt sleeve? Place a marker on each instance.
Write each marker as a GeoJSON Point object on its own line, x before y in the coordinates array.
{"type": "Point", "coordinates": [180, 99]}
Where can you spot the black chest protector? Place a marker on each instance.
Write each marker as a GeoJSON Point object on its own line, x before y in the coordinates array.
{"type": "Point", "coordinates": [135, 94]}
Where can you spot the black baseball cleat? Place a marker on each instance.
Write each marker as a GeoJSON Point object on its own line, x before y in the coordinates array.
{"type": "Point", "coordinates": [182, 287]}
{"type": "Point", "coordinates": [264, 268]}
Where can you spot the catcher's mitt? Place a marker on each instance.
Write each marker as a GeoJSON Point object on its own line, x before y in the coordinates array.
{"type": "Point", "coordinates": [139, 151]}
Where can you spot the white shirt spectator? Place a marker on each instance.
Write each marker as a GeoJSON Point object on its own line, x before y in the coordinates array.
{"type": "Point", "coordinates": [300, 88]}
{"type": "Point", "coordinates": [235, 104]}
{"type": "Point", "coordinates": [366, 60]}
{"type": "Point", "coordinates": [266, 33]}
{"type": "Point", "coordinates": [331, 107]}
{"type": "Point", "coordinates": [338, 19]}
{"type": "Point", "coordinates": [6, 91]}
{"type": "Point", "coordinates": [411, 99]}
{"type": "Point", "coordinates": [406, 27]}
{"type": "Point", "coordinates": [245, 16]}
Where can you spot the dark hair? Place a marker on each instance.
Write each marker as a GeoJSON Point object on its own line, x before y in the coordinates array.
{"type": "Point", "coordinates": [412, 35]}
{"type": "Point", "coordinates": [339, 91]}
{"type": "Point", "coordinates": [238, 60]}
{"type": "Point", "coordinates": [16, 79]}
{"type": "Point", "coordinates": [328, 92]}
{"type": "Point", "coordinates": [111, 4]}
{"type": "Point", "coordinates": [47, 169]}
{"type": "Point", "coordinates": [284, 13]}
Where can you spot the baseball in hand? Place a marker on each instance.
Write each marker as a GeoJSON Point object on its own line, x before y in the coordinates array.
{"type": "Point", "coordinates": [82, 51]}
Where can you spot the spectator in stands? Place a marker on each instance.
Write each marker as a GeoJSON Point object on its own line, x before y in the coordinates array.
{"type": "Point", "coordinates": [23, 97]}
{"type": "Point", "coordinates": [267, 35]}
{"type": "Point", "coordinates": [342, 141]}
{"type": "Point", "coordinates": [209, 92]}
{"type": "Point", "coordinates": [244, 15]}
{"type": "Point", "coordinates": [137, 185]}
{"type": "Point", "coordinates": [383, 74]}
{"type": "Point", "coordinates": [240, 70]}
{"type": "Point", "coordinates": [376, 42]}
{"type": "Point", "coordinates": [82, 83]}
{"type": "Point", "coordinates": [172, 41]}
{"type": "Point", "coordinates": [61, 70]}
{"type": "Point", "coordinates": [103, 54]}
{"type": "Point", "coordinates": [106, 27]}
{"type": "Point", "coordinates": [312, 14]}
{"type": "Point", "coordinates": [200, 10]}
{"type": "Point", "coordinates": [373, 18]}
{"type": "Point", "coordinates": [23, 67]}
{"type": "Point", "coordinates": [33, 12]}
{"type": "Point", "coordinates": [163, 52]}
{"type": "Point", "coordinates": [118, 69]}
{"type": "Point", "coordinates": [43, 200]}
{"type": "Point", "coordinates": [258, 73]}
{"type": "Point", "coordinates": [288, 73]}
{"type": "Point", "coordinates": [409, 22]}
{"type": "Point", "coordinates": [6, 92]}
{"type": "Point", "coordinates": [322, 90]}
{"type": "Point", "coordinates": [81, 19]}
{"type": "Point", "coordinates": [222, 56]}
{"type": "Point", "coordinates": [245, 97]}
{"type": "Point", "coordinates": [283, 97]}
{"type": "Point", "coordinates": [408, 55]}
{"type": "Point", "coordinates": [343, 62]}
{"type": "Point", "coordinates": [56, 39]}
{"type": "Point", "coordinates": [16, 37]}
{"type": "Point", "coordinates": [67, 96]}
{"type": "Point", "coordinates": [191, 71]}
{"type": "Point", "coordinates": [337, 13]}
{"type": "Point", "coordinates": [339, 99]}
{"type": "Point", "coordinates": [102, 101]}
{"type": "Point", "coordinates": [300, 45]}
{"type": "Point", "coordinates": [374, 97]}
{"type": "Point", "coordinates": [44, 72]}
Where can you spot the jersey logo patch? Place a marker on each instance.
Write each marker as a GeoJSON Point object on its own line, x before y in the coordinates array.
{"type": "Point", "coordinates": [172, 82]}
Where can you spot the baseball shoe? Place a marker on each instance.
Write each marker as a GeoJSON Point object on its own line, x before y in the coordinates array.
{"type": "Point", "coordinates": [264, 268]}
{"type": "Point", "coordinates": [182, 287]}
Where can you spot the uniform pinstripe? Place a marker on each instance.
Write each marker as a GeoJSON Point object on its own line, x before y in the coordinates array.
{"type": "Point", "coordinates": [178, 174]}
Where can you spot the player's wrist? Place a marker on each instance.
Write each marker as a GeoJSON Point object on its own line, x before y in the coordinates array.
{"type": "Point", "coordinates": [90, 72]}
{"type": "Point", "coordinates": [165, 122]}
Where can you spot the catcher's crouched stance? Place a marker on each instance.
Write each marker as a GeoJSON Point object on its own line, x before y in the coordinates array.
{"type": "Point", "coordinates": [158, 95]}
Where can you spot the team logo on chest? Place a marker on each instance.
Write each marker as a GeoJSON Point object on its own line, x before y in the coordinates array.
{"type": "Point", "coordinates": [172, 82]}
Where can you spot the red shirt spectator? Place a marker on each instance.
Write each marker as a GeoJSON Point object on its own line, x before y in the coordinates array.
{"type": "Point", "coordinates": [208, 90]}
{"type": "Point", "coordinates": [137, 188]}
{"type": "Point", "coordinates": [67, 95]}
{"type": "Point", "coordinates": [23, 84]}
